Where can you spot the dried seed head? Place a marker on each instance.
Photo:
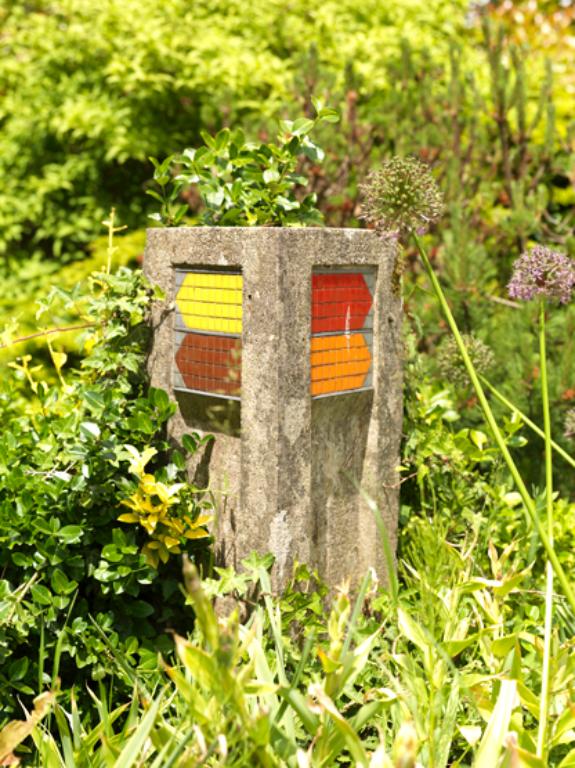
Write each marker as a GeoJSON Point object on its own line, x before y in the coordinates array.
{"type": "Point", "coordinates": [543, 272]}
{"type": "Point", "coordinates": [451, 365]}
{"type": "Point", "coordinates": [401, 197]}
{"type": "Point", "coordinates": [570, 423]}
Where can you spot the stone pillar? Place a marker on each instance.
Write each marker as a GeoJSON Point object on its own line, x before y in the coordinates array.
{"type": "Point", "coordinates": [289, 471]}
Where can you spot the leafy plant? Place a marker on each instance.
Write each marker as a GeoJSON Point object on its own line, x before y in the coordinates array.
{"type": "Point", "coordinates": [157, 508]}
{"type": "Point", "coordinates": [442, 677]}
{"type": "Point", "coordinates": [73, 578]}
{"type": "Point", "coordinates": [244, 183]}
{"type": "Point", "coordinates": [87, 94]}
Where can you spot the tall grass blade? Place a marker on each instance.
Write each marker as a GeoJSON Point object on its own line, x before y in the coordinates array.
{"type": "Point", "coordinates": [65, 737]}
{"type": "Point", "coordinates": [366, 581]}
{"type": "Point", "coordinates": [133, 748]}
{"type": "Point", "coordinates": [392, 582]}
{"type": "Point", "coordinates": [275, 624]}
{"type": "Point", "coordinates": [497, 727]}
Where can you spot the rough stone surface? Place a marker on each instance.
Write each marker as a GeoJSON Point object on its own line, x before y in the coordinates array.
{"type": "Point", "coordinates": [293, 477]}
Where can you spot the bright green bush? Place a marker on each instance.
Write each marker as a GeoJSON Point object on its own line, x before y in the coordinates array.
{"type": "Point", "coordinates": [89, 90]}
{"type": "Point", "coordinates": [76, 577]}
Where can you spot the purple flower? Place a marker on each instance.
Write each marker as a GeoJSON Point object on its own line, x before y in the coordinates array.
{"type": "Point", "coordinates": [543, 272]}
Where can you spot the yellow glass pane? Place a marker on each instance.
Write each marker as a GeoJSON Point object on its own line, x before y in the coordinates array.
{"type": "Point", "coordinates": [211, 302]}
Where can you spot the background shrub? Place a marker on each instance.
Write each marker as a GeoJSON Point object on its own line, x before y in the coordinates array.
{"type": "Point", "coordinates": [89, 91]}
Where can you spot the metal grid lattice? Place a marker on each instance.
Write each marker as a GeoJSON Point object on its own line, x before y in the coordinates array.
{"type": "Point", "coordinates": [341, 331]}
{"type": "Point", "coordinates": [208, 327]}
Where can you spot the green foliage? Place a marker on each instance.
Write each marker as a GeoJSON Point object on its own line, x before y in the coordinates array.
{"type": "Point", "coordinates": [447, 672]}
{"type": "Point", "coordinates": [454, 477]}
{"type": "Point", "coordinates": [446, 676]}
{"type": "Point", "coordinates": [34, 280]}
{"type": "Point", "coordinates": [74, 579]}
{"type": "Point", "coordinates": [242, 183]}
{"type": "Point", "coordinates": [89, 91]}
{"type": "Point", "coordinates": [98, 93]}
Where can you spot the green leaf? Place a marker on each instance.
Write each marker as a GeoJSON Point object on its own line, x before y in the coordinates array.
{"type": "Point", "coordinates": [302, 126]}
{"type": "Point", "coordinates": [140, 609]}
{"type": "Point", "coordinates": [214, 198]}
{"type": "Point", "coordinates": [208, 139]}
{"type": "Point", "coordinates": [41, 594]}
{"type": "Point", "coordinates": [160, 398]}
{"type": "Point", "coordinates": [70, 533]}
{"type": "Point", "coordinates": [188, 154]}
{"type": "Point", "coordinates": [59, 359]}
{"type": "Point", "coordinates": [312, 151]}
{"type": "Point", "coordinates": [503, 645]}
{"type": "Point", "coordinates": [497, 727]}
{"type": "Point", "coordinates": [60, 583]}
{"type": "Point", "coordinates": [17, 669]}
{"type": "Point", "coordinates": [328, 115]}
{"type": "Point", "coordinates": [287, 205]}
{"type": "Point", "coordinates": [564, 723]}
{"type": "Point", "coordinates": [270, 175]}
{"type": "Point", "coordinates": [454, 647]}
{"type": "Point", "coordinates": [412, 630]}
{"type": "Point", "coordinates": [568, 761]}
{"type": "Point", "coordinates": [180, 212]}
{"type": "Point", "coordinates": [222, 139]}
{"type": "Point", "coordinates": [528, 759]}
{"type": "Point", "coordinates": [155, 195]}
{"type": "Point", "coordinates": [94, 399]}
{"type": "Point", "coordinates": [141, 422]}
{"type": "Point", "coordinates": [478, 438]}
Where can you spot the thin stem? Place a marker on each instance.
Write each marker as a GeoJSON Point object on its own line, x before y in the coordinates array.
{"type": "Point", "coordinates": [110, 250]}
{"type": "Point", "coordinates": [528, 502]}
{"type": "Point", "coordinates": [40, 334]}
{"type": "Point", "coordinates": [525, 419]}
{"type": "Point", "coordinates": [545, 683]}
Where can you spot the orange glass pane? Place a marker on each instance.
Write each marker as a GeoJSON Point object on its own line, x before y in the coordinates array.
{"type": "Point", "coordinates": [339, 363]}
